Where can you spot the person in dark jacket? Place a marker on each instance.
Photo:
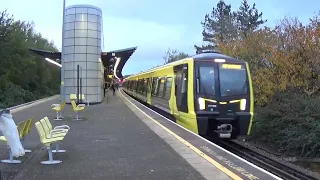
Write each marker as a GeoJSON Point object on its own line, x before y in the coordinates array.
{"type": "Point", "coordinates": [105, 89]}
{"type": "Point", "coordinates": [113, 89]}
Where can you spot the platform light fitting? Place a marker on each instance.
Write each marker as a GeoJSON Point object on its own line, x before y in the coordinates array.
{"type": "Point", "coordinates": [115, 68]}
{"type": "Point", "coordinates": [53, 62]}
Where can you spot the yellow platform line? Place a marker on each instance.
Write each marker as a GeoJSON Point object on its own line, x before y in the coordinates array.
{"type": "Point", "coordinates": [198, 151]}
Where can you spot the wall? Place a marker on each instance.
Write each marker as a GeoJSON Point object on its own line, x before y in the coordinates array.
{"type": "Point", "coordinates": [82, 46]}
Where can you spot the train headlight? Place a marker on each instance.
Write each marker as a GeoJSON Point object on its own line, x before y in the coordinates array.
{"type": "Point", "coordinates": [243, 103]}
{"type": "Point", "coordinates": [202, 103]}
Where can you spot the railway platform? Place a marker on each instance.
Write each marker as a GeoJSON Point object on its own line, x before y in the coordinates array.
{"type": "Point", "coordinates": [122, 139]}
{"type": "Point", "coordinates": [110, 143]}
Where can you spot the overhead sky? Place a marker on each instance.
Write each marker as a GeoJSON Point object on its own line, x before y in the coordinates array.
{"type": "Point", "coordinates": [153, 26]}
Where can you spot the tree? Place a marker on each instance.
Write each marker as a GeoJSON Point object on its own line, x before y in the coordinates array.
{"type": "Point", "coordinates": [249, 19]}
{"type": "Point", "coordinates": [220, 25]}
{"type": "Point", "coordinates": [23, 75]}
{"type": "Point", "coordinates": [174, 55]}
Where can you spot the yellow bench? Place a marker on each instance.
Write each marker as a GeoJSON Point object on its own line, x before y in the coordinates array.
{"type": "Point", "coordinates": [24, 129]}
{"type": "Point", "coordinates": [58, 131]}
{"type": "Point", "coordinates": [47, 141]}
{"type": "Point", "coordinates": [77, 108]}
{"type": "Point", "coordinates": [58, 108]}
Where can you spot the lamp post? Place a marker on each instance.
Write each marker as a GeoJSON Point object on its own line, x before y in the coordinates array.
{"type": "Point", "coordinates": [62, 96]}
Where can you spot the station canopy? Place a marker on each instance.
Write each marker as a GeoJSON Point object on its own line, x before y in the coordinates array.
{"type": "Point", "coordinates": [108, 58]}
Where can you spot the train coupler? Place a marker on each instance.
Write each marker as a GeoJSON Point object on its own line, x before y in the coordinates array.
{"type": "Point", "coordinates": [224, 130]}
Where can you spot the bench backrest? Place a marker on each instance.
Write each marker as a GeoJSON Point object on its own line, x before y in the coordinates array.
{"type": "Point", "coordinates": [45, 127]}
{"type": "Point", "coordinates": [62, 105]}
{"type": "Point", "coordinates": [48, 123]}
{"type": "Point", "coordinates": [28, 126]}
{"type": "Point", "coordinates": [21, 127]}
{"type": "Point", "coordinates": [74, 106]}
{"type": "Point", "coordinates": [40, 131]}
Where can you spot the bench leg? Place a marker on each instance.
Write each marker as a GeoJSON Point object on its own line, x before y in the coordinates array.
{"type": "Point", "coordinates": [77, 117]}
{"type": "Point", "coordinates": [57, 150]}
{"type": "Point", "coordinates": [50, 161]}
{"type": "Point", "coordinates": [58, 117]}
{"type": "Point", "coordinates": [11, 160]}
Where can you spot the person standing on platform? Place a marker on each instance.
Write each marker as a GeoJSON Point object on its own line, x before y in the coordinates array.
{"type": "Point", "coordinates": [105, 89]}
{"type": "Point", "coordinates": [113, 89]}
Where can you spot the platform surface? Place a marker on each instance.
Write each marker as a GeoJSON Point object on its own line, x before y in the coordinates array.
{"type": "Point", "coordinates": [112, 142]}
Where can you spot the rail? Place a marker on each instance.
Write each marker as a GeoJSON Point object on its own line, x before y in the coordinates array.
{"type": "Point", "coordinates": [278, 168]}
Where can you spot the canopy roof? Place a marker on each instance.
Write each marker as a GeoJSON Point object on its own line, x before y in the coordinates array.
{"type": "Point", "coordinates": [106, 57]}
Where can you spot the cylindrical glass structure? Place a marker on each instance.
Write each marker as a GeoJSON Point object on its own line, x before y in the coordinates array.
{"type": "Point", "coordinates": [82, 46]}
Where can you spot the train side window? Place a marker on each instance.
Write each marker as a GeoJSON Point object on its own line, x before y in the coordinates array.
{"type": "Point", "coordinates": [168, 86]}
{"type": "Point", "coordinates": [161, 87]}
{"type": "Point", "coordinates": [146, 86]}
{"type": "Point", "coordinates": [154, 86]}
{"type": "Point", "coordinates": [181, 87]}
{"type": "Point", "coordinates": [135, 85]}
{"type": "Point", "coordinates": [141, 85]}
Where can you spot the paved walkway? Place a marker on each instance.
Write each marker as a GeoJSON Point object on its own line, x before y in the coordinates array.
{"type": "Point", "coordinates": [112, 143]}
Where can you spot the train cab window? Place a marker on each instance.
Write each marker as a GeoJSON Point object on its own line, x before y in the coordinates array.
{"type": "Point", "coordinates": [238, 84]}
{"type": "Point", "coordinates": [206, 80]}
{"type": "Point", "coordinates": [161, 87]}
{"type": "Point", "coordinates": [168, 86]}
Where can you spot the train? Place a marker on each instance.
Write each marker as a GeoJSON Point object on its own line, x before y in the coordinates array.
{"type": "Point", "coordinates": [210, 94]}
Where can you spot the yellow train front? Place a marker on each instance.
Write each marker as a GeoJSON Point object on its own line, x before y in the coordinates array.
{"type": "Point", "coordinates": [210, 93]}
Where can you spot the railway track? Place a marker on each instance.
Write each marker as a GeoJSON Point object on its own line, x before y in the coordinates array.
{"type": "Point", "coordinates": [265, 162]}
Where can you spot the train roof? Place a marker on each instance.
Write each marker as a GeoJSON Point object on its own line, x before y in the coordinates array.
{"type": "Point", "coordinates": [201, 56]}
{"type": "Point", "coordinates": [214, 55]}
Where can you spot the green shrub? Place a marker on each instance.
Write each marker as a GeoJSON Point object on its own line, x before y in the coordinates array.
{"type": "Point", "coordinates": [291, 122]}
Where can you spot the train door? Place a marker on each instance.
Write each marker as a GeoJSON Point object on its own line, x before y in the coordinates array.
{"type": "Point", "coordinates": [181, 92]}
